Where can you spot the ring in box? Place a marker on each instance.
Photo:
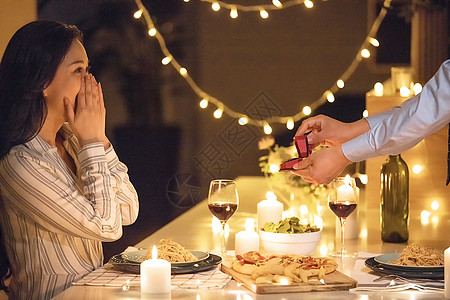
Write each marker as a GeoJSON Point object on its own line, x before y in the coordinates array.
{"type": "Point", "coordinates": [303, 149]}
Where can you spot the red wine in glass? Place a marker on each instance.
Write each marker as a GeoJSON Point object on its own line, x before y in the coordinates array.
{"type": "Point", "coordinates": [342, 209]}
{"type": "Point", "coordinates": [222, 211]}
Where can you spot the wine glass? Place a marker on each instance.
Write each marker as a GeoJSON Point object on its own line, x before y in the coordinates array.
{"type": "Point", "coordinates": [342, 200]}
{"type": "Point", "coordinates": [223, 201]}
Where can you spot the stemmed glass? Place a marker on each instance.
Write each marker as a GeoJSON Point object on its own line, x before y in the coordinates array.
{"type": "Point", "coordinates": [342, 200]}
{"type": "Point", "coordinates": [223, 201]}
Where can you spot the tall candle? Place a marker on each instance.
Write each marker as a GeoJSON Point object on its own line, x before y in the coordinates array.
{"type": "Point", "coordinates": [269, 211]}
{"type": "Point", "coordinates": [155, 275]}
{"type": "Point", "coordinates": [247, 240]}
{"type": "Point", "coordinates": [447, 272]}
{"type": "Point", "coordinates": [345, 192]}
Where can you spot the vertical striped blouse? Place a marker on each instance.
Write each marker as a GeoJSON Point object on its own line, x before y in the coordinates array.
{"type": "Point", "coordinates": [54, 221]}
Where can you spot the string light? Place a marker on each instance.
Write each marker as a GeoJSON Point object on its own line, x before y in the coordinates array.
{"type": "Point", "coordinates": [218, 113]}
{"type": "Point", "coordinates": [330, 96]}
{"type": "Point", "coordinates": [234, 13]}
{"type": "Point", "coordinates": [308, 4]}
{"type": "Point", "coordinates": [215, 6]}
{"type": "Point", "coordinates": [138, 14]}
{"type": "Point", "coordinates": [243, 120]}
{"type": "Point", "coordinates": [365, 53]}
{"type": "Point", "coordinates": [203, 103]}
{"type": "Point", "coordinates": [267, 128]}
{"type": "Point", "coordinates": [276, 5]}
{"type": "Point", "coordinates": [290, 124]}
{"type": "Point", "coordinates": [166, 60]}
{"type": "Point", "coordinates": [374, 42]}
{"type": "Point", "coordinates": [263, 13]}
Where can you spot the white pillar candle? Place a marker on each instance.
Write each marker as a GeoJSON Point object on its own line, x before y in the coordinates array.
{"type": "Point", "coordinates": [155, 275]}
{"type": "Point", "coordinates": [269, 211]}
{"type": "Point", "coordinates": [346, 192]}
{"type": "Point", "coordinates": [447, 272]}
{"type": "Point", "coordinates": [247, 240]}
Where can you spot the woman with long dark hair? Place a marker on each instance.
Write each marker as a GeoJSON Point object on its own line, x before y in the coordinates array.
{"type": "Point", "coordinates": [63, 190]}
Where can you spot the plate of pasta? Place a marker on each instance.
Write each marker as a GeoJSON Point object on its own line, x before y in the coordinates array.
{"type": "Point", "coordinates": [413, 257]}
{"type": "Point", "coordinates": [168, 250]}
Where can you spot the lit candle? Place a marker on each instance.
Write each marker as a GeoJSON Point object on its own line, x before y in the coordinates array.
{"type": "Point", "coordinates": [269, 210]}
{"type": "Point", "coordinates": [447, 272]}
{"type": "Point", "coordinates": [247, 240]}
{"type": "Point", "coordinates": [155, 275]}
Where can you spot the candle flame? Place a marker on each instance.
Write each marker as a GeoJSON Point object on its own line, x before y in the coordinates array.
{"type": "Point", "coordinates": [347, 179]}
{"type": "Point", "coordinates": [154, 252]}
{"type": "Point", "coordinates": [271, 195]}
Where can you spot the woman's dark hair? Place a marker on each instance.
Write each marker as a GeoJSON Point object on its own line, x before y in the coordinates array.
{"type": "Point", "coordinates": [28, 66]}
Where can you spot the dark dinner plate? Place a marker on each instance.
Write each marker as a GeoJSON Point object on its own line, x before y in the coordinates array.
{"type": "Point", "coordinates": [406, 272]}
{"type": "Point", "coordinates": [124, 265]}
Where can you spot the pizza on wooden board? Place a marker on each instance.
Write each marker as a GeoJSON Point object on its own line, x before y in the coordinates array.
{"type": "Point", "coordinates": [273, 267]}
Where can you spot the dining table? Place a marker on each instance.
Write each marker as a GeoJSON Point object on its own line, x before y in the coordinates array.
{"type": "Point", "coordinates": [195, 229]}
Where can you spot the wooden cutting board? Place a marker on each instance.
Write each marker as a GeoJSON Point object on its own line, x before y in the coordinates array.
{"type": "Point", "coordinates": [335, 281]}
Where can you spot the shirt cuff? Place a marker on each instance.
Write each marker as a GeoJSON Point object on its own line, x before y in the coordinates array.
{"type": "Point", "coordinates": [111, 157]}
{"type": "Point", "coordinates": [358, 149]}
{"type": "Point", "coordinates": [91, 153]}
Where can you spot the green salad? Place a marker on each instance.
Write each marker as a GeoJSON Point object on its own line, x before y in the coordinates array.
{"type": "Point", "coordinates": [290, 225]}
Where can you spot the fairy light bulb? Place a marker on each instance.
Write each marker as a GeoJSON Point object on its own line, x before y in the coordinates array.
{"type": "Point", "coordinates": [330, 96]}
{"type": "Point", "coordinates": [233, 12]}
{"type": "Point", "coordinates": [417, 88]}
{"type": "Point", "coordinates": [166, 60]}
{"type": "Point", "coordinates": [404, 91]}
{"type": "Point", "coordinates": [277, 3]}
{"type": "Point", "coordinates": [183, 72]}
{"type": "Point", "coordinates": [416, 169]}
{"type": "Point", "coordinates": [340, 83]}
{"type": "Point", "coordinates": [218, 113]}
{"type": "Point", "coordinates": [152, 31]}
{"type": "Point", "coordinates": [215, 6]}
{"type": "Point", "coordinates": [290, 124]}
{"type": "Point", "coordinates": [307, 110]}
{"type": "Point", "coordinates": [263, 13]}
{"type": "Point", "coordinates": [308, 3]}
{"type": "Point", "coordinates": [374, 42]}
{"type": "Point", "coordinates": [243, 120]}
{"type": "Point", "coordinates": [267, 128]}
{"type": "Point", "coordinates": [186, 1]}
{"type": "Point", "coordinates": [365, 53]}
{"type": "Point", "coordinates": [203, 103]}
{"type": "Point", "coordinates": [365, 113]}
{"type": "Point", "coordinates": [138, 14]}
{"type": "Point", "coordinates": [378, 89]}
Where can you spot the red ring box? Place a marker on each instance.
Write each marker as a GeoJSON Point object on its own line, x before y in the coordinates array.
{"type": "Point", "coordinates": [303, 150]}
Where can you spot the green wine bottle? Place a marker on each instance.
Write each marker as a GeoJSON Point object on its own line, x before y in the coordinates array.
{"type": "Point", "coordinates": [394, 200]}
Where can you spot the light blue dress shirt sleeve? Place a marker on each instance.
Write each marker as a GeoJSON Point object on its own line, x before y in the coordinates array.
{"type": "Point", "coordinates": [404, 126]}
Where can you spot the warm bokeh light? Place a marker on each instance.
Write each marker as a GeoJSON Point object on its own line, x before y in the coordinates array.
{"type": "Point", "coordinates": [263, 13]}
{"type": "Point", "coordinates": [404, 91]}
{"type": "Point", "coordinates": [378, 89]}
{"type": "Point", "coordinates": [166, 60]}
{"type": "Point", "coordinates": [307, 110]}
{"type": "Point", "coordinates": [277, 3]}
{"type": "Point", "coordinates": [274, 168]}
{"type": "Point", "coordinates": [365, 53]}
{"type": "Point", "coordinates": [290, 124]}
{"type": "Point", "coordinates": [425, 217]}
{"type": "Point", "coordinates": [243, 121]}
{"type": "Point", "coordinates": [363, 233]}
{"type": "Point", "coordinates": [417, 88]}
{"type": "Point", "coordinates": [435, 205]}
{"type": "Point", "coordinates": [138, 14]}
{"type": "Point", "coordinates": [330, 96]}
{"type": "Point", "coordinates": [365, 113]}
{"type": "Point", "coordinates": [250, 224]}
{"type": "Point", "coordinates": [218, 113]}
{"type": "Point", "coordinates": [340, 83]}
{"type": "Point", "coordinates": [318, 221]}
{"type": "Point", "coordinates": [416, 169]}
{"type": "Point", "coordinates": [374, 42]}
{"type": "Point", "coordinates": [215, 6]}
{"type": "Point", "coordinates": [203, 103]}
{"type": "Point", "coordinates": [267, 129]}
{"type": "Point", "coordinates": [233, 13]}
{"type": "Point", "coordinates": [364, 178]}
{"type": "Point", "coordinates": [152, 32]}
{"type": "Point", "coordinates": [183, 72]}
{"type": "Point", "coordinates": [308, 3]}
